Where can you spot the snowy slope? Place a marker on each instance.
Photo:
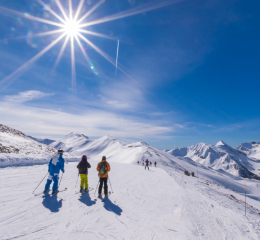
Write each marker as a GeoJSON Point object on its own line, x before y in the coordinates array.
{"type": "Point", "coordinates": [145, 205]}
{"type": "Point", "coordinates": [42, 140]}
{"type": "Point", "coordinates": [16, 149]}
{"type": "Point", "coordinates": [220, 157]}
{"type": "Point", "coordinates": [79, 144]}
{"type": "Point", "coordinates": [252, 149]}
{"type": "Point", "coordinates": [71, 142]}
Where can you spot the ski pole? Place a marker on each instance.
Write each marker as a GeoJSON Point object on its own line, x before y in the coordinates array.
{"type": "Point", "coordinates": [40, 182]}
{"type": "Point", "coordinates": [111, 185]}
{"type": "Point", "coordinates": [60, 180]}
{"type": "Point", "coordinates": [96, 187]}
{"type": "Point", "coordinates": [77, 181]}
{"type": "Point", "coordinates": [245, 199]}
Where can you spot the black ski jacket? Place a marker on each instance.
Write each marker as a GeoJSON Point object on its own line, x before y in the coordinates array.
{"type": "Point", "coordinates": [83, 166]}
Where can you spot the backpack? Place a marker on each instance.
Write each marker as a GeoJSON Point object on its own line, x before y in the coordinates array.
{"type": "Point", "coordinates": [102, 168]}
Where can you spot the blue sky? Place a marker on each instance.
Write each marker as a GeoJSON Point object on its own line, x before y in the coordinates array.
{"type": "Point", "coordinates": [192, 73]}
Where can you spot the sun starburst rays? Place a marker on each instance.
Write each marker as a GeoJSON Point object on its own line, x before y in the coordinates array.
{"type": "Point", "coordinates": [72, 27]}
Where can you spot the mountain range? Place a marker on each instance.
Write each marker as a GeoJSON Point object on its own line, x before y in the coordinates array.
{"type": "Point", "coordinates": [15, 146]}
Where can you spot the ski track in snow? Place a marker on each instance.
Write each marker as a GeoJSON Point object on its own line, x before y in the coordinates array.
{"type": "Point", "coordinates": [145, 205]}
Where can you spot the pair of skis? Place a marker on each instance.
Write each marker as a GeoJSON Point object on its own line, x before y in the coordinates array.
{"type": "Point", "coordinates": [50, 194]}
{"type": "Point", "coordinates": [89, 190]}
{"type": "Point", "coordinates": [103, 199]}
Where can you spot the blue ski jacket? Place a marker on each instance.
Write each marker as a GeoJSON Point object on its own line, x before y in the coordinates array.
{"type": "Point", "coordinates": [56, 164]}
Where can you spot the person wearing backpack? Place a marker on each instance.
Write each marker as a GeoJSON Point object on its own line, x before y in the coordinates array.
{"type": "Point", "coordinates": [103, 168]}
{"type": "Point", "coordinates": [155, 164]}
{"type": "Point", "coordinates": [83, 172]}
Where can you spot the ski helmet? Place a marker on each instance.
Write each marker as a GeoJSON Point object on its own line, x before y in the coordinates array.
{"type": "Point", "coordinates": [60, 151]}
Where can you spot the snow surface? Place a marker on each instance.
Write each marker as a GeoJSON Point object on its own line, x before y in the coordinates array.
{"type": "Point", "coordinates": [145, 205]}
{"type": "Point", "coordinates": [162, 203]}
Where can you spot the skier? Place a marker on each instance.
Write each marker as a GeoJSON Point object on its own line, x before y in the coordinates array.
{"type": "Point", "coordinates": [143, 163]}
{"type": "Point", "coordinates": [138, 162]}
{"type": "Point", "coordinates": [150, 163]}
{"type": "Point", "coordinates": [83, 172]}
{"type": "Point", "coordinates": [55, 165]}
{"type": "Point", "coordinates": [103, 168]}
{"type": "Point", "coordinates": [146, 164]}
{"type": "Point", "coordinates": [155, 164]}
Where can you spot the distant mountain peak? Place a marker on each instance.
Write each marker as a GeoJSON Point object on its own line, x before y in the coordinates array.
{"type": "Point", "coordinates": [221, 143]}
{"type": "Point", "coordinates": [77, 135]}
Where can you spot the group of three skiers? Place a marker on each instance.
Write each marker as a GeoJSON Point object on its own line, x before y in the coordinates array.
{"type": "Point", "coordinates": [57, 163]}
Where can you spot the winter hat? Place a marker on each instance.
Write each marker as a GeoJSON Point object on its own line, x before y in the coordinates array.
{"type": "Point", "coordinates": [84, 157]}
{"type": "Point", "coordinates": [104, 158]}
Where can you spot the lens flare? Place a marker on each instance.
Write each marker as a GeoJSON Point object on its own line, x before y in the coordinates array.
{"type": "Point", "coordinates": [71, 26]}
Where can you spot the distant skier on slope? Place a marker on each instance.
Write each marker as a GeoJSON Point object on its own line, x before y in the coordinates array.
{"type": "Point", "coordinates": [151, 163]}
{"type": "Point", "coordinates": [55, 165]}
{"type": "Point", "coordinates": [83, 172]}
{"type": "Point", "coordinates": [146, 164]}
{"type": "Point", "coordinates": [103, 168]}
{"type": "Point", "coordinates": [155, 164]}
{"type": "Point", "coordinates": [143, 162]}
{"type": "Point", "coordinates": [138, 162]}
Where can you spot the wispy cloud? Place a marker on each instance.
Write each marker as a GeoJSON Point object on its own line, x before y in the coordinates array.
{"type": "Point", "coordinates": [199, 124]}
{"type": "Point", "coordinates": [26, 96]}
{"type": "Point", "coordinates": [94, 123]}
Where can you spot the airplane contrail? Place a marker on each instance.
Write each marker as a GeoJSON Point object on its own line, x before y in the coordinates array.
{"type": "Point", "coordinates": [117, 55]}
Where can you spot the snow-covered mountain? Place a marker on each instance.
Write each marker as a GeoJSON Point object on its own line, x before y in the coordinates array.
{"type": "Point", "coordinates": [71, 142]}
{"type": "Point", "coordinates": [42, 140]}
{"type": "Point", "coordinates": [220, 157]}
{"type": "Point", "coordinates": [112, 148]}
{"type": "Point", "coordinates": [216, 157]}
{"type": "Point", "coordinates": [16, 149]}
{"type": "Point", "coordinates": [252, 149]}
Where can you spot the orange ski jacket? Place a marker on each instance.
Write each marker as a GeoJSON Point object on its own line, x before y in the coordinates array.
{"type": "Point", "coordinates": [107, 169]}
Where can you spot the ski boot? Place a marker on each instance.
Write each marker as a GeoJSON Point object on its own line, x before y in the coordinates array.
{"type": "Point", "coordinates": [81, 189]}
{"type": "Point", "coordinates": [45, 191]}
{"type": "Point", "coordinates": [86, 190]}
{"type": "Point", "coordinates": [53, 192]}
{"type": "Point", "coordinates": [106, 196]}
{"type": "Point", "coordinates": [99, 195]}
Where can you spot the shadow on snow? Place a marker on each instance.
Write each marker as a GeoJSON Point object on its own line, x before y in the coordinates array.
{"type": "Point", "coordinates": [52, 203]}
{"type": "Point", "coordinates": [85, 198]}
{"type": "Point", "coordinates": [109, 206]}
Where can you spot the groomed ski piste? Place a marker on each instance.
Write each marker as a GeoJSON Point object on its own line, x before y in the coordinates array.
{"type": "Point", "coordinates": [161, 203]}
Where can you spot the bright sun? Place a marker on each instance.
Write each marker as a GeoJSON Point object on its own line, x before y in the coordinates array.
{"type": "Point", "coordinates": [71, 28]}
